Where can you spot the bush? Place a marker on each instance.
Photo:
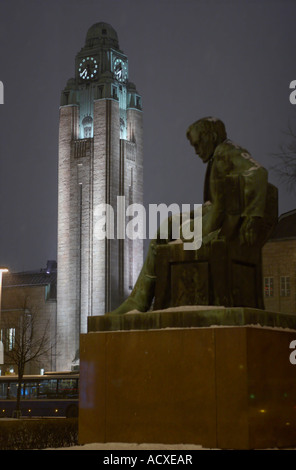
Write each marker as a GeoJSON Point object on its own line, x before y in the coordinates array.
{"type": "Point", "coordinates": [21, 434]}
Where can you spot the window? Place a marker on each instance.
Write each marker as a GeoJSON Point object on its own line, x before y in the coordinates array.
{"type": "Point", "coordinates": [87, 124]}
{"type": "Point", "coordinates": [10, 339]}
{"type": "Point", "coordinates": [30, 390]}
{"type": "Point", "coordinates": [100, 91]}
{"type": "Point", "coordinates": [268, 286]}
{"type": "Point", "coordinates": [68, 388]}
{"type": "Point", "coordinates": [7, 336]}
{"type": "Point", "coordinates": [3, 391]}
{"type": "Point", "coordinates": [48, 388]}
{"type": "Point", "coordinates": [13, 389]}
{"type": "Point", "coordinates": [285, 286]}
{"type": "Point", "coordinates": [114, 92]}
{"type": "Point", "coordinates": [87, 132]}
{"type": "Point", "coordinates": [130, 242]}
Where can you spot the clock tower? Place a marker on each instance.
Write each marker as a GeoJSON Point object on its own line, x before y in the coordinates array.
{"type": "Point", "coordinates": [100, 159]}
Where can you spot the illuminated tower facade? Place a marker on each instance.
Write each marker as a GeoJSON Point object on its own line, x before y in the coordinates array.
{"type": "Point", "coordinates": [100, 158]}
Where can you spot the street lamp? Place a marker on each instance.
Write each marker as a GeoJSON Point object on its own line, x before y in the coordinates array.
{"type": "Point", "coordinates": [2, 270]}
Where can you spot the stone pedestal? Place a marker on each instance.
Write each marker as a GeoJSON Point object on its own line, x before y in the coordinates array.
{"type": "Point", "coordinates": [227, 387]}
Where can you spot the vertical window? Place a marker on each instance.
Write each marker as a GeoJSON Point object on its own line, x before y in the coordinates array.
{"type": "Point", "coordinates": [131, 261]}
{"type": "Point", "coordinates": [87, 124]}
{"type": "Point", "coordinates": [11, 339]}
{"type": "Point", "coordinates": [3, 391]}
{"type": "Point", "coordinates": [7, 336]}
{"type": "Point", "coordinates": [100, 91]}
{"type": "Point", "coordinates": [268, 286]}
{"type": "Point", "coordinates": [47, 292]}
{"type": "Point", "coordinates": [114, 92]}
{"type": "Point", "coordinates": [66, 97]}
{"type": "Point", "coordinates": [285, 286]}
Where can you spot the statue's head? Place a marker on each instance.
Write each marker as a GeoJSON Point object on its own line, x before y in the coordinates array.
{"type": "Point", "coordinates": [205, 134]}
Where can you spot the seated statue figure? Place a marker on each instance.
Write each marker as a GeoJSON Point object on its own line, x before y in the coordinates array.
{"type": "Point", "coordinates": [233, 213]}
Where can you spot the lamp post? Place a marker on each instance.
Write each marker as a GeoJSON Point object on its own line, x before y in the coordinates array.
{"type": "Point", "coordinates": [2, 270]}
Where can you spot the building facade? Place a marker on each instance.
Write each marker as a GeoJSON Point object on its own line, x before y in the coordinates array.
{"type": "Point", "coordinates": [100, 163]}
{"type": "Point", "coordinates": [29, 314]}
{"type": "Point", "coordinates": [279, 266]}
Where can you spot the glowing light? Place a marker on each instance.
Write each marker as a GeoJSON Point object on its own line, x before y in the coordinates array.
{"type": "Point", "coordinates": [262, 411]}
{"type": "Point", "coordinates": [2, 270]}
{"type": "Point", "coordinates": [252, 395]}
{"type": "Point", "coordinates": [56, 410]}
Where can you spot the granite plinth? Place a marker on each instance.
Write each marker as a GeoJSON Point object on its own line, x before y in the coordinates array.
{"type": "Point", "coordinates": [227, 387]}
{"type": "Point", "coordinates": [190, 317]}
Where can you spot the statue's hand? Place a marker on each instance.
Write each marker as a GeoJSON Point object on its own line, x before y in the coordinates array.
{"type": "Point", "coordinates": [248, 231]}
{"type": "Point", "coordinates": [210, 237]}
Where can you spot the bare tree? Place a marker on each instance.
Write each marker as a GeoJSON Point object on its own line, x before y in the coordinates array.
{"type": "Point", "coordinates": [30, 343]}
{"type": "Point", "coordinates": [285, 161]}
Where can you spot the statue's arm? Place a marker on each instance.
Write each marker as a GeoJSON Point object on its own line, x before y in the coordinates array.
{"type": "Point", "coordinates": [255, 181]}
{"type": "Point", "coordinates": [214, 211]}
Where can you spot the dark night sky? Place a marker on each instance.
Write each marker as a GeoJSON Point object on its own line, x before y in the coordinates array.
{"type": "Point", "coordinates": [188, 58]}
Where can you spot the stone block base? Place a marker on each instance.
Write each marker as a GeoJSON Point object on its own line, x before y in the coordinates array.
{"type": "Point", "coordinates": [219, 387]}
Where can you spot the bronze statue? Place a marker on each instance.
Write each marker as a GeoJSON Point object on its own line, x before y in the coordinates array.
{"type": "Point", "coordinates": [238, 214]}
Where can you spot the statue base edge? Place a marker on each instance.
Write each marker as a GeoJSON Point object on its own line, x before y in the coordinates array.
{"type": "Point", "coordinates": [189, 317]}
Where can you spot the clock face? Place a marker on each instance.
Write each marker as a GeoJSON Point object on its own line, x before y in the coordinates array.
{"type": "Point", "coordinates": [120, 70]}
{"type": "Point", "coordinates": [88, 68]}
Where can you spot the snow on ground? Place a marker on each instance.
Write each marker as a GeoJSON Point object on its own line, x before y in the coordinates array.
{"type": "Point", "coordinates": [124, 446]}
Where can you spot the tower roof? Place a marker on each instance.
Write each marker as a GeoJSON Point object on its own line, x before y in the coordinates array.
{"type": "Point", "coordinates": [100, 34]}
